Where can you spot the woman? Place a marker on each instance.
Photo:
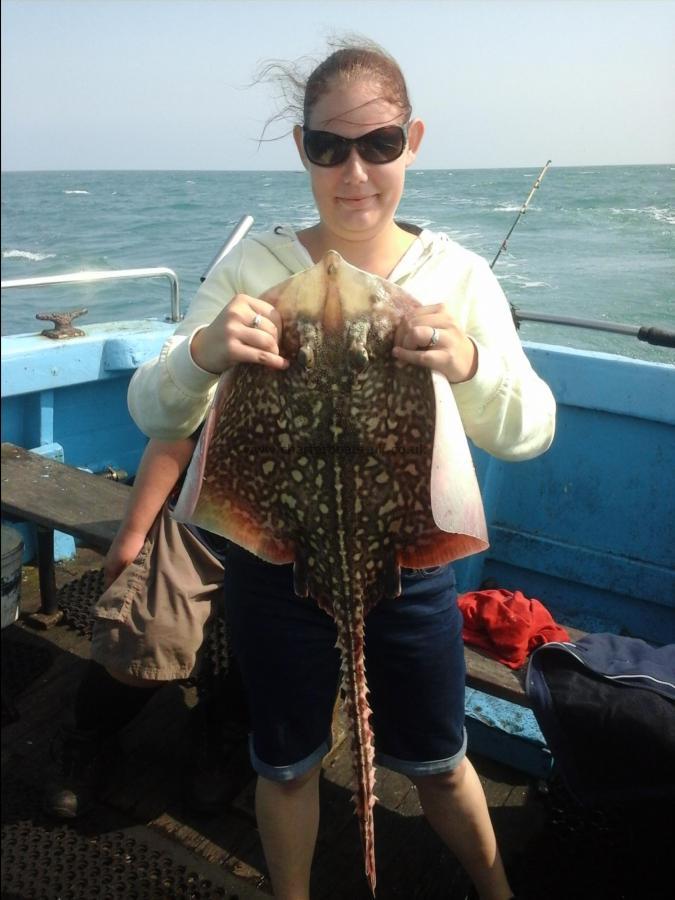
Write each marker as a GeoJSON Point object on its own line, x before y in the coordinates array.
{"type": "Point", "coordinates": [356, 140]}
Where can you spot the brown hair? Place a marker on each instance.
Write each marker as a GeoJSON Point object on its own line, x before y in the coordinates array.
{"type": "Point", "coordinates": [352, 58]}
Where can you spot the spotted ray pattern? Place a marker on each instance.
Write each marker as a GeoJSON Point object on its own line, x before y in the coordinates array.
{"type": "Point", "coordinates": [331, 464]}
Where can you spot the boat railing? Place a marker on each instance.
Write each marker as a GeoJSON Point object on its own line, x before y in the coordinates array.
{"type": "Point", "coordinates": [92, 276]}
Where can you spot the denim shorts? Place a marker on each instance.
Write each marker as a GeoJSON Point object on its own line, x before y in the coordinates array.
{"type": "Point", "coordinates": [285, 647]}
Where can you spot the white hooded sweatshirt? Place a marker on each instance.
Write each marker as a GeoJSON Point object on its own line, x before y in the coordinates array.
{"type": "Point", "coordinates": [506, 409]}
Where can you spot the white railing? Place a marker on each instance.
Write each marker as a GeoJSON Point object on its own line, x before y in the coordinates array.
{"type": "Point", "coordinates": [89, 277]}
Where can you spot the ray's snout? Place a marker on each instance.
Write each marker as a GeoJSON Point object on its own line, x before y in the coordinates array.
{"type": "Point", "coordinates": [333, 317]}
{"type": "Point", "coordinates": [331, 263]}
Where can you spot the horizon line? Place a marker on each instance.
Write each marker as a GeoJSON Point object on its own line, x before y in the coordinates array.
{"type": "Point", "coordinates": [302, 171]}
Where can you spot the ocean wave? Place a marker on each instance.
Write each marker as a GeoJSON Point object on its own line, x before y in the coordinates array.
{"type": "Point", "coordinates": [26, 254]}
{"type": "Point", "coordinates": [76, 192]}
{"type": "Point", "coordinates": [522, 281]}
{"type": "Point", "coordinates": [661, 214]}
{"type": "Point", "coordinates": [658, 213]}
{"type": "Point", "coordinates": [507, 207]}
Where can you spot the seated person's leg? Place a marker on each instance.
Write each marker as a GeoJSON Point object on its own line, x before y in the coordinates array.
{"type": "Point", "coordinates": [148, 627]}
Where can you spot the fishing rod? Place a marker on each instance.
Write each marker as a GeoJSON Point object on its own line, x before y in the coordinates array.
{"type": "Point", "coordinates": [650, 334]}
{"type": "Point", "coordinates": [657, 337]}
{"type": "Point", "coordinates": [523, 210]}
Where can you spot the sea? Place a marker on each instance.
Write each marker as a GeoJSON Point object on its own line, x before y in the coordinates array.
{"type": "Point", "coordinates": [595, 243]}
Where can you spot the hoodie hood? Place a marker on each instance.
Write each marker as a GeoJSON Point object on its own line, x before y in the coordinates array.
{"type": "Point", "coordinates": [285, 247]}
{"type": "Point", "coordinates": [283, 244]}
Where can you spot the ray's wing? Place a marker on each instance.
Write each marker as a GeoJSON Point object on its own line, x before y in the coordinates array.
{"type": "Point", "coordinates": [229, 490]}
{"type": "Point", "coordinates": [443, 501]}
{"type": "Point", "coordinates": [456, 502]}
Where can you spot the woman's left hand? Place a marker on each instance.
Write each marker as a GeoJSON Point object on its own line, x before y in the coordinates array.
{"type": "Point", "coordinates": [430, 337]}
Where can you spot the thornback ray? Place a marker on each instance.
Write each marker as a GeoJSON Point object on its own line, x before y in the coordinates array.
{"type": "Point", "coordinates": [345, 464]}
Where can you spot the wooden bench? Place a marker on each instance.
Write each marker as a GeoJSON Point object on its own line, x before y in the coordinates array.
{"type": "Point", "coordinates": [59, 497]}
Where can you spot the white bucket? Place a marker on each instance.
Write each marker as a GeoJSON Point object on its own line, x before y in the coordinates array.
{"type": "Point", "coordinates": [12, 552]}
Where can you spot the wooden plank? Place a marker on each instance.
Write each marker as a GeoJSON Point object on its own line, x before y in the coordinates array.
{"type": "Point", "coordinates": [59, 496]}
{"type": "Point", "coordinates": [492, 677]}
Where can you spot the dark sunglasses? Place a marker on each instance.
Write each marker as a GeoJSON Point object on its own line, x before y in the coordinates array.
{"type": "Point", "coordinates": [383, 145]}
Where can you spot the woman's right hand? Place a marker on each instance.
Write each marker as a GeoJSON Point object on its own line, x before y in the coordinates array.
{"type": "Point", "coordinates": [123, 551]}
{"type": "Point", "coordinates": [246, 330]}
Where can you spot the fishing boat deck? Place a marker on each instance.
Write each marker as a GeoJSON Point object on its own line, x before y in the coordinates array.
{"type": "Point", "coordinates": [141, 842]}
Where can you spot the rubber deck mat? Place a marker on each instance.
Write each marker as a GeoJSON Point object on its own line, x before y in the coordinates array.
{"type": "Point", "coordinates": [103, 856]}
{"type": "Point", "coordinates": [77, 598]}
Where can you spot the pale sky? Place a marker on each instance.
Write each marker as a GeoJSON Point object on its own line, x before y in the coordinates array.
{"type": "Point", "coordinates": [161, 84]}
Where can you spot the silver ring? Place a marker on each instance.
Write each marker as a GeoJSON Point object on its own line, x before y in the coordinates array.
{"type": "Point", "coordinates": [257, 319]}
{"type": "Point", "coordinates": [433, 340]}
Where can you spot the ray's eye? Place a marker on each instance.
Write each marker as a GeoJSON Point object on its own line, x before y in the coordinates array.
{"type": "Point", "coordinates": [306, 357]}
{"type": "Point", "coordinates": [357, 338]}
{"type": "Point", "coordinates": [306, 341]}
{"type": "Point", "coordinates": [358, 356]}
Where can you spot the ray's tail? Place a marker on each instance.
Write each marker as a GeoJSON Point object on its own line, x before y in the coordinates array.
{"type": "Point", "coordinates": [350, 626]}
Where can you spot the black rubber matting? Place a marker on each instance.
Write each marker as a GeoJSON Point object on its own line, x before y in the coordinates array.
{"type": "Point", "coordinates": [111, 860]}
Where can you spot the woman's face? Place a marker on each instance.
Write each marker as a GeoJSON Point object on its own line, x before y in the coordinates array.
{"type": "Point", "coordinates": [356, 199]}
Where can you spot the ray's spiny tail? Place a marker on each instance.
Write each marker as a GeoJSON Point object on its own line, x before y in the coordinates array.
{"type": "Point", "coordinates": [350, 641]}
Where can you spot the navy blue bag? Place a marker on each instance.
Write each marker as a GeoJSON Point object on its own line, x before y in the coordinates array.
{"type": "Point", "coordinates": [606, 706]}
